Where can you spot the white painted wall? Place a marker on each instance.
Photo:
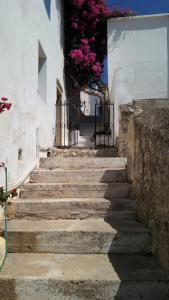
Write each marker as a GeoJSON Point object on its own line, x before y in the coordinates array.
{"type": "Point", "coordinates": [138, 59]}
{"type": "Point", "coordinates": [90, 98]}
{"type": "Point", "coordinates": [24, 23]}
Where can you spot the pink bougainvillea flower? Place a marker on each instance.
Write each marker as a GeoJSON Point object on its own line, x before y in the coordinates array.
{"type": "Point", "coordinates": [86, 26]}
{"type": "Point", "coordinates": [2, 164]}
{"type": "Point", "coordinates": [89, 59]}
{"type": "Point", "coordinates": [8, 106]}
{"type": "Point", "coordinates": [84, 41]}
{"type": "Point", "coordinates": [85, 49]}
{"type": "Point", "coordinates": [74, 18]}
{"type": "Point", "coordinates": [14, 193]}
{"type": "Point", "coordinates": [92, 40]}
{"type": "Point", "coordinates": [78, 3]}
{"type": "Point", "coordinates": [77, 56]}
{"type": "Point", "coordinates": [85, 14]}
{"type": "Point", "coordinates": [74, 25]}
{"type": "Point", "coordinates": [82, 27]}
{"type": "Point", "coordinates": [97, 68]}
{"type": "Point", "coordinates": [4, 105]}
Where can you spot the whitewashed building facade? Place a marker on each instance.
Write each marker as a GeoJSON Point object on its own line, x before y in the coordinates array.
{"type": "Point", "coordinates": [138, 59]}
{"type": "Point", "coordinates": [31, 76]}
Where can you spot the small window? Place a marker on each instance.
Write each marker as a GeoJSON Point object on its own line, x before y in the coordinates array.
{"type": "Point", "coordinates": [42, 72]}
{"type": "Point", "coordinates": [47, 4]}
{"type": "Point", "coordinates": [20, 151]}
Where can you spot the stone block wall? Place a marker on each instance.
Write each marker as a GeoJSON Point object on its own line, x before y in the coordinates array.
{"type": "Point", "coordinates": [148, 171]}
{"type": "Point", "coordinates": [126, 111]}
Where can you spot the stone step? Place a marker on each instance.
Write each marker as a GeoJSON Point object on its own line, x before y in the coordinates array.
{"type": "Point", "coordinates": [75, 152]}
{"type": "Point", "coordinates": [78, 236]}
{"type": "Point", "coordinates": [73, 190]}
{"type": "Point", "coordinates": [85, 141]}
{"type": "Point", "coordinates": [31, 276]}
{"type": "Point", "coordinates": [68, 176]}
{"type": "Point", "coordinates": [77, 163]}
{"type": "Point", "coordinates": [70, 208]}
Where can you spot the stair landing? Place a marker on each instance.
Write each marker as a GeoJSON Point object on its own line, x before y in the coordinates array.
{"type": "Point", "coordinates": [87, 277]}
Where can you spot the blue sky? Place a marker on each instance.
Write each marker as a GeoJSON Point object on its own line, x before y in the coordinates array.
{"type": "Point", "coordinates": [141, 7]}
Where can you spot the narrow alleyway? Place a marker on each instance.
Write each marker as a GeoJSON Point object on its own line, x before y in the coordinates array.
{"type": "Point", "coordinates": [73, 234]}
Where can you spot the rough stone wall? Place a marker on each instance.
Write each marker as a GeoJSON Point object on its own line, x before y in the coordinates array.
{"type": "Point", "coordinates": [148, 170]}
{"type": "Point", "coordinates": [126, 111]}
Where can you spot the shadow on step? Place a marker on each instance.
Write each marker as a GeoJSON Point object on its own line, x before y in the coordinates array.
{"type": "Point", "coordinates": [140, 278]}
{"type": "Point", "coordinates": [138, 275]}
{"type": "Point", "coordinates": [117, 175]}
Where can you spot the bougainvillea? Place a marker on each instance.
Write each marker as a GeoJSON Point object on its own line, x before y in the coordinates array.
{"type": "Point", "coordinates": [4, 196]}
{"type": "Point", "coordinates": [4, 105]}
{"type": "Point", "coordinates": [86, 37]}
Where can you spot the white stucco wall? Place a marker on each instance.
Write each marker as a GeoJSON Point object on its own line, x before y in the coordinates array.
{"type": "Point", "coordinates": [90, 98]}
{"type": "Point", "coordinates": [138, 59]}
{"type": "Point", "coordinates": [24, 23]}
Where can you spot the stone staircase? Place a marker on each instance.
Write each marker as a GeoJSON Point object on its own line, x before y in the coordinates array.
{"type": "Point", "coordinates": [85, 141]}
{"type": "Point", "coordinates": [73, 235]}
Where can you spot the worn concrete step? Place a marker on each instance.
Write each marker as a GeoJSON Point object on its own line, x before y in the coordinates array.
{"type": "Point", "coordinates": [70, 208]}
{"type": "Point", "coordinates": [85, 141]}
{"type": "Point", "coordinates": [73, 190]}
{"type": "Point", "coordinates": [82, 277]}
{"type": "Point", "coordinates": [69, 176]}
{"type": "Point", "coordinates": [78, 236]}
{"type": "Point", "coordinates": [75, 152]}
{"type": "Point", "coordinates": [77, 163]}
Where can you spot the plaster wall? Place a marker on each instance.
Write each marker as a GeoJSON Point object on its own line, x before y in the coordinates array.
{"type": "Point", "coordinates": [88, 102]}
{"type": "Point", "coordinates": [148, 165]}
{"type": "Point", "coordinates": [138, 59]}
{"type": "Point", "coordinates": [30, 124]}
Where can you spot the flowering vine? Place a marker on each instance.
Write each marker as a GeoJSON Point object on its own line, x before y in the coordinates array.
{"type": "Point", "coordinates": [4, 105]}
{"type": "Point", "coordinates": [86, 37]}
{"type": "Point", "coordinates": [5, 195]}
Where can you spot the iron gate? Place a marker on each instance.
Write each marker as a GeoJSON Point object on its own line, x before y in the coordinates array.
{"type": "Point", "coordinates": [67, 124]}
{"type": "Point", "coordinates": [104, 125]}
{"type": "Point", "coordinates": [70, 116]}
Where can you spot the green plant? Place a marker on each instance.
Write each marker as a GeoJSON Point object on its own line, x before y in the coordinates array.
{"type": "Point", "coordinates": [4, 196]}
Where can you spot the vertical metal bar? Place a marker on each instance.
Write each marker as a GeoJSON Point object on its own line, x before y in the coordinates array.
{"type": "Point", "coordinates": [100, 125]}
{"type": "Point", "coordinates": [95, 128]}
{"type": "Point", "coordinates": [104, 126]}
{"type": "Point", "coordinates": [109, 122]}
{"type": "Point", "coordinates": [113, 127]}
{"type": "Point", "coordinates": [64, 122]}
{"type": "Point", "coordinates": [68, 112]}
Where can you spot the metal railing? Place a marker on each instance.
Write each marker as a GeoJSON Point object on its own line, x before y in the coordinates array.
{"type": "Point", "coordinates": [104, 125]}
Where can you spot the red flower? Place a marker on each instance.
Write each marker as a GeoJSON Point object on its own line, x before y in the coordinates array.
{"type": "Point", "coordinates": [74, 25]}
{"type": "Point", "coordinates": [8, 105]}
{"type": "Point", "coordinates": [77, 56]}
{"type": "Point", "coordinates": [4, 99]}
{"type": "Point", "coordinates": [14, 193]}
{"type": "Point", "coordinates": [2, 164]}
